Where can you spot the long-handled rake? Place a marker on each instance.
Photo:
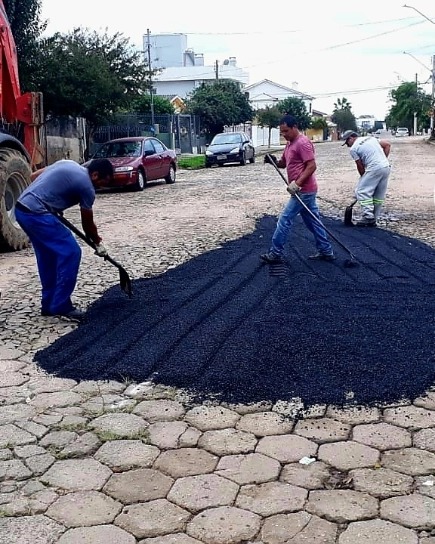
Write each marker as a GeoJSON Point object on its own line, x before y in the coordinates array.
{"type": "Point", "coordinates": [124, 278]}
{"type": "Point", "coordinates": [348, 263]}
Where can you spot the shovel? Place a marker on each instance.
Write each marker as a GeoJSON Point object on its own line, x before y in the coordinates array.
{"type": "Point", "coordinates": [124, 278]}
{"type": "Point", "coordinates": [348, 214]}
{"type": "Point", "coordinates": [349, 263]}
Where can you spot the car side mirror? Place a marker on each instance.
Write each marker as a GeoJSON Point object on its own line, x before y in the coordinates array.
{"type": "Point", "coordinates": [148, 153]}
{"type": "Point", "coordinates": [206, 145]}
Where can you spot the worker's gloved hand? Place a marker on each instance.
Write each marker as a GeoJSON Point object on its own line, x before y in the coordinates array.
{"type": "Point", "coordinates": [101, 251]}
{"type": "Point", "coordinates": [293, 188]}
{"type": "Point", "coordinates": [270, 159]}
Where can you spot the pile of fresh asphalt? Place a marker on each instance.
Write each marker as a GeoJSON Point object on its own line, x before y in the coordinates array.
{"type": "Point", "coordinates": [226, 326]}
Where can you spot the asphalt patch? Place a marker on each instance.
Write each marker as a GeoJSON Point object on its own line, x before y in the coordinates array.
{"type": "Point", "coordinates": [227, 326]}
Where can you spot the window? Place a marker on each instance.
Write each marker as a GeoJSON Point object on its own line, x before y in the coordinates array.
{"type": "Point", "coordinates": [158, 146]}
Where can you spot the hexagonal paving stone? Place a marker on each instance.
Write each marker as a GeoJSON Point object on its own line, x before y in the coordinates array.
{"type": "Point", "coordinates": [416, 511]}
{"type": "Point", "coordinates": [122, 455]}
{"type": "Point", "coordinates": [119, 424]}
{"type": "Point", "coordinates": [77, 475]}
{"type": "Point", "coordinates": [102, 534]}
{"type": "Point", "coordinates": [160, 410]}
{"type": "Point", "coordinates": [271, 498]}
{"type": "Point", "coordinates": [323, 429]}
{"type": "Point", "coordinates": [11, 435]}
{"type": "Point", "coordinates": [29, 530]}
{"type": "Point", "coordinates": [55, 400]}
{"type": "Point", "coordinates": [377, 530]}
{"type": "Point", "coordinates": [412, 461]}
{"type": "Point", "coordinates": [84, 509]}
{"type": "Point", "coordinates": [298, 528]}
{"type": "Point", "coordinates": [143, 484]}
{"type": "Point", "coordinates": [425, 439]}
{"type": "Point", "coordinates": [203, 491]}
{"type": "Point", "coordinates": [265, 424]}
{"type": "Point", "coordinates": [354, 415]}
{"type": "Point", "coordinates": [224, 525]}
{"type": "Point", "coordinates": [348, 455]}
{"type": "Point", "coordinates": [311, 476]}
{"type": "Point", "coordinates": [186, 462]}
{"type": "Point", "coordinates": [154, 518]}
{"type": "Point", "coordinates": [410, 417]}
{"type": "Point", "coordinates": [178, 538]}
{"type": "Point", "coordinates": [382, 482]}
{"type": "Point", "coordinates": [227, 442]}
{"type": "Point", "coordinates": [253, 468]}
{"type": "Point", "coordinates": [287, 448]}
{"type": "Point", "coordinates": [208, 418]}
{"type": "Point", "coordinates": [382, 436]}
{"type": "Point", "coordinates": [342, 505]}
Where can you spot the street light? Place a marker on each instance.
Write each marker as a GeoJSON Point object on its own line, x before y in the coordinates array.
{"type": "Point", "coordinates": [432, 113]}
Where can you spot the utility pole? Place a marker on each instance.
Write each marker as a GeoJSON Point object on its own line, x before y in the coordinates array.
{"type": "Point", "coordinates": [416, 96]}
{"type": "Point", "coordinates": [432, 112]}
{"type": "Point", "coordinates": [216, 69]}
{"type": "Point", "coordinates": [151, 78]}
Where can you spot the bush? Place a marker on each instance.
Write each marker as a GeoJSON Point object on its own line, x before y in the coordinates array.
{"type": "Point", "coordinates": [193, 162]}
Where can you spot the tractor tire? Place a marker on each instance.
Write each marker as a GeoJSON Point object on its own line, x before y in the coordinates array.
{"type": "Point", "coordinates": [14, 178]}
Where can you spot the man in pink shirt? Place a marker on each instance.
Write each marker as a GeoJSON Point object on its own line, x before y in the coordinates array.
{"type": "Point", "coordinates": [299, 160]}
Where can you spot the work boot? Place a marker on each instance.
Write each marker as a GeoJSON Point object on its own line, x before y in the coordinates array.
{"type": "Point", "coordinates": [329, 257]}
{"type": "Point", "coordinates": [366, 222]}
{"type": "Point", "coordinates": [75, 314]}
{"type": "Point", "coordinates": [271, 258]}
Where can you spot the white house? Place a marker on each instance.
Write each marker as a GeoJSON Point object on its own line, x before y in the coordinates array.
{"type": "Point", "coordinates": [183, 80]}
{"type": "Point", "coordinates": [181, 70]}
{"type": "Point", "coordinates": [268, 93]}
{"type": "Point", "coordinates": [365, 122]}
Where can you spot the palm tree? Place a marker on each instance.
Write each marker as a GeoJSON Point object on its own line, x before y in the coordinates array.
{"type": "Point", "coordinates": [342, 104]}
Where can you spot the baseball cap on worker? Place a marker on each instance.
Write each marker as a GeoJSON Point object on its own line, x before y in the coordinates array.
{"type": "Point", "coordinates": [347, 134]}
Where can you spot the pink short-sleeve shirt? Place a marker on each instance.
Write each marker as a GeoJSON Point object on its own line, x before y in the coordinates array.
{"type": "Point", "coordinates": [295, 155]}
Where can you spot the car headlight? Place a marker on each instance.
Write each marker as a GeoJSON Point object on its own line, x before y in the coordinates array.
{"type": "Point", "coordinates": [235, 150]}
{"type": "Point", "coordinates": [123, 169]}
{"type": "Point", "coordinates": [209, 153]}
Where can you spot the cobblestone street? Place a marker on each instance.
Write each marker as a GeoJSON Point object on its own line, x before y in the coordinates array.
{"type": "Point", "coordinates": [121, 462]}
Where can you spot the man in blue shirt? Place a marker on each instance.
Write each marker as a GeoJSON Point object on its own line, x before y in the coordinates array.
{"type": "Point", "coordinates": [54, 189]}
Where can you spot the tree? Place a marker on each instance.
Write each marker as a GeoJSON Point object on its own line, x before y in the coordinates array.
{"type": "Point", "coordinates": [142, 104]}
{"type": "Point", "coordinates": [24, 18]}
{"type": "Point", "coordinates": [84, 74]}
{"type": "Point", "coordinates": [342, 104]}
{"type": "Point", "coordinates": [218, 104]}
{"type": "Point", "coordinates": [296, 107]}
{"type": "Point", "coordinates": [342, 115]}
{"type": "Point", "coordinates": [268, 117]}
{"type": "Point", "coordinates": [408, 99]}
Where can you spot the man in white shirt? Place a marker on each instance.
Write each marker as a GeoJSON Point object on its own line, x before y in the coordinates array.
{"type": "Point", "coordinates": [371, 157]}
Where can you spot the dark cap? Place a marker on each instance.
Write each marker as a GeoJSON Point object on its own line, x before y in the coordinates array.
{"type": "Point", "coordinates": [347, 134]}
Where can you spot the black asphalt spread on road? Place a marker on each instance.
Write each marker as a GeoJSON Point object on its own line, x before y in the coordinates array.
{"type": "Point", "coordinates": [224, 325]}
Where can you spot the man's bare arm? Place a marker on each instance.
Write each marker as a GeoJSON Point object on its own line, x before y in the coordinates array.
{"type": "Point", "coordinates": [89, 226]}
{"type": "Point", "coordinates": [386, 146]}
{"type": "Point", "coordinates": [360, 167]}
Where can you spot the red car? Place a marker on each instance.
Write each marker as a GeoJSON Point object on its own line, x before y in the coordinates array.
{"type": "Point", "coordinates": [137, 160]}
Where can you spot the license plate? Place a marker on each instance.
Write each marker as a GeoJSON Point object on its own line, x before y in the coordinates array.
{"type": "Point", "coordinates": [221, 157]}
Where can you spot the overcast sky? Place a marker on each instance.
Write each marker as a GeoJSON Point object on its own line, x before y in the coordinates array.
{"type": "Point", "coordinates": [332, 48]}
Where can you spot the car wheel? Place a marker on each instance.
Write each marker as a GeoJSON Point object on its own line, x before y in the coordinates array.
{"type": "Point", "coordinates": [252, 159]}
{"type": "Point", "coordinates": [170, 178]}
{"type": "Point", "coordinates": [140, 182]}
{"type": "Point", "coordinates": [243, 160]}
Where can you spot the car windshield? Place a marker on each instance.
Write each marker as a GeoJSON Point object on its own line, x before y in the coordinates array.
{"type": "Point", "coordinates": [119, 149]}
{"type": "Point", "coordinates": [226, 139]}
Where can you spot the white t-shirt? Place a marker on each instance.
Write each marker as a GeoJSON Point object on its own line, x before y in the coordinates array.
{"type": "Point", "coordinates": [369, 151]}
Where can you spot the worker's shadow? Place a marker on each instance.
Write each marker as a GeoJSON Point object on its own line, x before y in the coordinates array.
{"type": "Point", "coordinates": [221, 325]}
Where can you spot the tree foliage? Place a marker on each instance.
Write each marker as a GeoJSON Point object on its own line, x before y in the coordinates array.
{"type": "Point", "coordinates": [408, 99]}
{"type": "Point", "coordinates": [218, 104]}
{"type": "Point", "coordinates": [296, 107]}
{"type": "Point", "coordinates": [342, 115]}
{"type": "Point", "coordinates": [142, 104]}
{"type": "Point", "coordinates": [85, 74]}
{"type": "Point", "coordinates": [26, 27]}
{"type": "Point", "coordinates": [268, 117]}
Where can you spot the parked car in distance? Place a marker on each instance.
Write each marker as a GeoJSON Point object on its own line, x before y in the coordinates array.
{"type": "Point", "coordinates": [137, 160]}
{"type": "Point", "coordinates": [378, 133]}
{"type": "Point", "coordinates": [228, 147]}
{"type": "Point", "coordinates": [402, 131]}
